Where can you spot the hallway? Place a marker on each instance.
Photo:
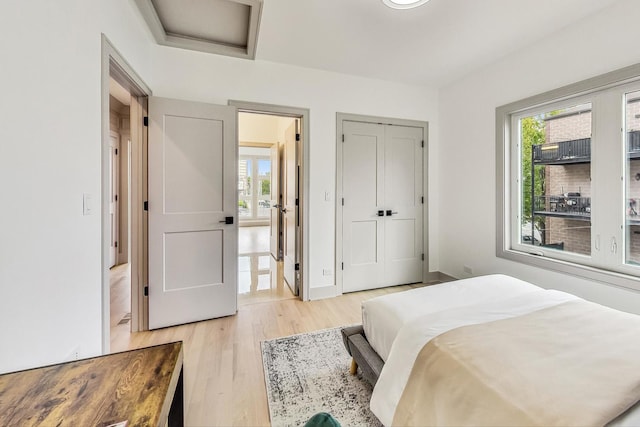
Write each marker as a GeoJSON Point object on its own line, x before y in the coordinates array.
{"type": "Point", "coordinates": [260, 277]}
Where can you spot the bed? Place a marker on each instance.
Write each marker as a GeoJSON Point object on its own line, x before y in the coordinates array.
{"type": "Point", "coordinates": [495, 350]}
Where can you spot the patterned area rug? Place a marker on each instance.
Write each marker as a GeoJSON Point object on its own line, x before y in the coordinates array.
{"type": "Point", "coordinates": [309, 373]}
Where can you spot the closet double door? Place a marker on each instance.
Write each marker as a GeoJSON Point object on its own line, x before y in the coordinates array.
{"type": "Point", "coordinates": [383, 203]}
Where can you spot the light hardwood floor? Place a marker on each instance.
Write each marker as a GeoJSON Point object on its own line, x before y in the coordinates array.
{"type": "Point", "coordinates": [224, 379]}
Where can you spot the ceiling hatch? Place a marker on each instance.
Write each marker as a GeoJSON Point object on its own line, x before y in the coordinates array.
{"type": "Point", "coordinates": [224, 27]}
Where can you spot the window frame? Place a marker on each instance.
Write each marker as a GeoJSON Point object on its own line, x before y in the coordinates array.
{"type": "Point", "coordinates": [594, 267]}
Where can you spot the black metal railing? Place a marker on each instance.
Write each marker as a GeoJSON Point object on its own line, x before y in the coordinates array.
{"type": "Point", "coordinates": [562, 152]}
{"type": "Point", "coordinates": [570, 204]}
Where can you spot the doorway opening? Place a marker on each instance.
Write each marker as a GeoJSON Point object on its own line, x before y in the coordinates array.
{"type": "Point", "coordinates": [270, 195]}
{"type": "Point", "coordinates": [119, 219]}
{"type": "Point", "coordinates": [124, 187]}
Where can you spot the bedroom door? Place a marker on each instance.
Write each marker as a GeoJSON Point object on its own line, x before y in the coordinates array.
{"type": "Point", "coordinates": [192, 212]}
{"type": "Point", "coordinates": [274, 210]}
{"type": "Point", "coordinates": [114, 211]}
{"type": "Point", "coordinates": [290, 207]}
{"type": "Point", "coordinates": [382, 212]}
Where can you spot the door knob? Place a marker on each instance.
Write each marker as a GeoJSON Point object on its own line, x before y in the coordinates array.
{"type": "Point", "coordinates": [284, 210]}
{"type": "Point", "coordinates": [380, 213]}
{"type": "Point", "coordinates": [227, 220]}
{"type": "Point", "coordinates": [389, 213]}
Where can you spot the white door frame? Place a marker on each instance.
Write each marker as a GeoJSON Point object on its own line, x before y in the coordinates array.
{"type": "Point", "coordinates": [340, 119]}
{"type": "Point", "coordinates": [303, 115]}
{"type": "Point", "coordinates": [114, 65]}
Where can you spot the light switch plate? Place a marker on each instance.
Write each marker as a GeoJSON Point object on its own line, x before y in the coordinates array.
{"type": "Point", "coordinates": [87, 204]}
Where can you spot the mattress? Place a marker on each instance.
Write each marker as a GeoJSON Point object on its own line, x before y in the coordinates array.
{"type": "Point", "coordinates": [382, 317]}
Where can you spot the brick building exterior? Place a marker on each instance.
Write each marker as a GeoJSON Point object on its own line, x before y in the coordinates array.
{"type": "Point", "coordinates": [563, 179]}
{"type": "Point", "coordinates": [568, 181]}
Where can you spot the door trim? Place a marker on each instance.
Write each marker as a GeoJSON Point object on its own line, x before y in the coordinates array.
{"type": "Point", "coordinates": [340, 119]}
{"type": "Point", "coordinates": [114, 65]}
{"type": "Point", "coordinates": [303, 115]}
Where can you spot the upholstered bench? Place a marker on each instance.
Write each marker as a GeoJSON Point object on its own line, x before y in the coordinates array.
{"type": "Point", "coordinates": [363, 355]}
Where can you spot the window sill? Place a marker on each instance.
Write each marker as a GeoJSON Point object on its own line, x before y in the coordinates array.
{"type": "Point", "coordinates": [613, 278]}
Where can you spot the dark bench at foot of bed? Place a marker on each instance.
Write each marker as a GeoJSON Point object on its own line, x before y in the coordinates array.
{"type": "Point", "coordinates": [364, 356]}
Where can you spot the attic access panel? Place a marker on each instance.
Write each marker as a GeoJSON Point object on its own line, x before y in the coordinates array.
{"type": "Point", "coordinates": [224, 27]}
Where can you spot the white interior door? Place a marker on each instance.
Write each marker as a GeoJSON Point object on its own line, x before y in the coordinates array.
{"type": "Point", "coordinates": [364, 206]}
{"type": "Point", "coordinates": [192, 212]}
{"type": "Point", "coordinates": [274, 211]}
{"type": "Point", "coordinates": [114, 174]}
{"type": "Point", "coordinates": [382, 169]}
{"type": "Point", "coordinates": [403, 197]}
{"type": "Point", "coordinates": [289, 209]}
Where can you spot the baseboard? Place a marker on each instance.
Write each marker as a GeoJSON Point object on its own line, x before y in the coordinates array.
{"type": "Point", "coordinates": [322, 292]}
{"type": "Point", "coordinates": [438, 276]}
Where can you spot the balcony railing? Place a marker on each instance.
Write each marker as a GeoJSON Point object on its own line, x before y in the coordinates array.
{"type": "Point", "coordinates": [574, 151]}
{"type": "Point", "coordinates": [634, 144]}
{"type": "Point", "coordinates": [570, 205]}
{"type": "Point", "coordinates": [578, 150]}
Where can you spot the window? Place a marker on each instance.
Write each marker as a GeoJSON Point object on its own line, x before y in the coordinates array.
{"type": "Point", "coordinates": [555, 175]}
{"type": "Point", "coordinates": [254, 185]}
{"type": "Point", "coordinates": [632, 196]}
{"type": "Point", "coordinates": [569, 179]}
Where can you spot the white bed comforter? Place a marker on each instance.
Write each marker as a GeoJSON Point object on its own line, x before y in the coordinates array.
{"type": "Point", "coordinates": [382, 317]}
{"type": "Point", "coordinates": [417, 332]}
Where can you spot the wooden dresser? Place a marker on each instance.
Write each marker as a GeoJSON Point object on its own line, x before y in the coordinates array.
{"type": "Point", "coordinates": [140, 387]}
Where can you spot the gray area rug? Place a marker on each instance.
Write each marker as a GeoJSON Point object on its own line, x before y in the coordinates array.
{"type": "Point", "coordinates": [309, 373]}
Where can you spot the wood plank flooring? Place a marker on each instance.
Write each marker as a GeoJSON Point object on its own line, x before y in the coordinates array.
{"type": "Point", "coordinates": [223, 375]}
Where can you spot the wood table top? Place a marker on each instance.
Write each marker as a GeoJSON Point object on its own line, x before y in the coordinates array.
{"type": "Point", "coordinates": [136, 386]}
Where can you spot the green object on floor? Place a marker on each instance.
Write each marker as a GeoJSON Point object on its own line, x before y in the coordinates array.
{"type": "Point", "coordinates": [322, 419]}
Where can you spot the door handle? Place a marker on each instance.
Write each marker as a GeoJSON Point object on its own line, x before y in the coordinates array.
{"type": "Point", "coordinates": [389, 213]}
{"type": "Point", "coordinates": [284, 210]}
{"type": "Point", "coordinates": [275, 206]}
{"type": "Point", "coordinates": [380, 213]}
{"type": "Point", "coordinates": [227, 220]}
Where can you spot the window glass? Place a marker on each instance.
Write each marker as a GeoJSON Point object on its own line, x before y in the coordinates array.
{"type": "Point", "coordinates": [632, 197]}
{"type": "Point", "coordinates": [555, 168]}
{"type": "Point", "coordinates": [264, 187]}
{"type": "Point", "coordinates": [254, 187]}
{"type": "Point", "coordinates": [244, 187]}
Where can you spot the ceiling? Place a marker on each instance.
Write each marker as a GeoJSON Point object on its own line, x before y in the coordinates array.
{"type": "Point", "coordinates": [224, 27]}
{"type": "Point", "coordinates": [431, 45]}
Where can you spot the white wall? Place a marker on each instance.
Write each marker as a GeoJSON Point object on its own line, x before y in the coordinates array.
{"type": "Point", "coordinates": [257, 128]}
{"type": "Point", "coordinates": [215, 79]}
{"type": "Point", "coordinates": [50, 254]}
{"type": "Point", "coordinates": [467, 190]}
